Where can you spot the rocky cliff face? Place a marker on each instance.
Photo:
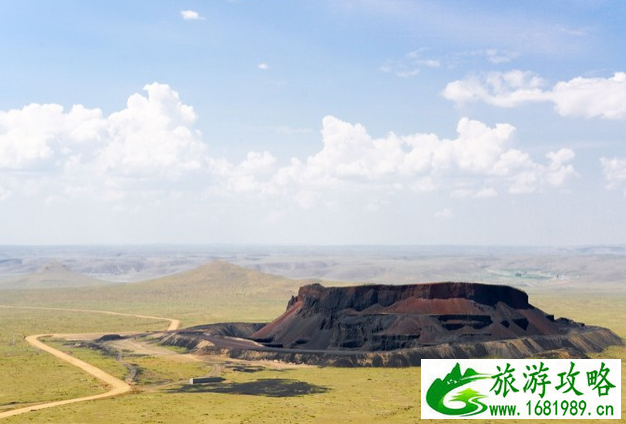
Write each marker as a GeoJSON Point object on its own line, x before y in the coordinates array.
{"type": "Point", "coordinates": [378, 325]}
{"type": "Point", "coordinates": [574, 344]}
{"type": "Point", "coordinates": [384, 318]}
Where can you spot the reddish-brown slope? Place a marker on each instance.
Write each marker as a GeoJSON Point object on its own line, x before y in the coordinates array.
{"type": "Point", "coordinates": [382, 317]}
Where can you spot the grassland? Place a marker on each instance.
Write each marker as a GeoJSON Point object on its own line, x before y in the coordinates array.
{"type": "Point", "coordinates": [220, 293]}
{"type": "Point", "coordinates": [216, 292]}
{"type": "Point", "coordinates": [29, 376]}
{"type": "Point", "coordinates": [345, 395]}
{"type": "Point", "coordinates": [607, 309]}
{"type": "Point", "coordinates": [337, 395]}
{"type": "Point", "coordinates": [151, 371]}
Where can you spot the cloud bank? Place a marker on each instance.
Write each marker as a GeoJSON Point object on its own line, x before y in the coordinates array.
{"type": "Point", "coordinates": [153, 135]}
{"type": "Point", "coordinates": [579, 97]}
{"type": "Point", "coordinates": [152, 148]}
{"type": "Point", "coordinates": [479, 160]}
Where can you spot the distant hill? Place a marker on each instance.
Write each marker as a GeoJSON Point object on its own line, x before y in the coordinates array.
{"type": "Point", "coordinates": [215, 279]}
{"type": "Point", "coordinates": [52, 275]}
{"type": "Point", "coordinates": [215, 292]}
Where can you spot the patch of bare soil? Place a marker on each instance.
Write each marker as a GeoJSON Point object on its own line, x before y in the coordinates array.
{"type": "Point", "coordinates": [139, 346]}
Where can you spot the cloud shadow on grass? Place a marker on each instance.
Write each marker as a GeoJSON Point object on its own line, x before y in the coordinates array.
{"type": "Point", "coordinates": [263, 387]}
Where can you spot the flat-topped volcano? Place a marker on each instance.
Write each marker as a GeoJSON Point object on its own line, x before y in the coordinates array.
{"type": "Point", "coordinates": [388, 317]}
{"type": "Point", "coordinates": [399, 325]}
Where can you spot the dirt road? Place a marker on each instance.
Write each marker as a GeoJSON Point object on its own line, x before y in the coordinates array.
{"type": "Point", "coordinates": [174, 323]}
{"type": "Point", "coordinates": [117, 386]}
{"type": "Point", "coordinates": [144, 348]}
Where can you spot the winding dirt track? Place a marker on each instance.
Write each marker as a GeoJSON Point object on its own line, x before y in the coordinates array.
{"type": "Point", "coordinates": [117, 386]}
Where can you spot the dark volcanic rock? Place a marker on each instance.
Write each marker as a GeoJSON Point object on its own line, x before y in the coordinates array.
{"type": "Point", "coordinates": [385, 318]}
{"type": "Point", "coordinates": [193, 337]}
{"type": "Point", "coordinates": [395, 326]}
{"type": "Point", "coordinates": [228, 329]}
{"type": "Point", "coordinates": [573, 344]}
{"type": "Point", "coordinates": [109, 337]}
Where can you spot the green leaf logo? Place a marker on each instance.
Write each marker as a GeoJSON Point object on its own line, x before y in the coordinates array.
{"type": "Point", "coordinates": [469, 397]}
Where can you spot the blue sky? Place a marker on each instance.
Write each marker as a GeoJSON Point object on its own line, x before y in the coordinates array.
{"type": "Point", "coordinates": [313, 122]}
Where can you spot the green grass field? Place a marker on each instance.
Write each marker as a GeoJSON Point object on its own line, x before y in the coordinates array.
{"type": "Point", "coordinates": [152, 371]}
{"type": "Point", "coordinates": [299, 395]}
{"type": "Point", "coordinates": [28, 375]}
{"type": "Point", "coordinates": [217, 292]}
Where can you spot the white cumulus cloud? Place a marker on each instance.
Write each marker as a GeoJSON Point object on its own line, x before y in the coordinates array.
{"type": "Point", "coordinates": [251, 176]}
{"type": "Point", "coordinates": [578, 97]}
{"type": "Point", "coordinates": [614, 172]}
{"type": "Point", "coordinates": [190, 15]}
{"type": "Point", "coordinates": [144, 148]}
{"type": "Point", "coordinates": [473, 164]}
{"type": "Point", "coordinates": [151, 148]}
{"type": "Point", "coordinates": [153, 135]}
{"type": "Point", "coordinates": [503, 89]}
{"type": "Point", "coordinates": [33, 134]}
{"type": "Point", "coordinates": [591, 97]}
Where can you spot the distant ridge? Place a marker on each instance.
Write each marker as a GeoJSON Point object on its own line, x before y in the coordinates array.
{"type": "Point", "coordinates": [54, 274]}
{"type": "Point", "coordinates": [215, 292]}
{"type": "Point", "coordinates": [220, 276]}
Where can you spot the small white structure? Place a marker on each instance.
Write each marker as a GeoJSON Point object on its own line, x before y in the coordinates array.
{"type": "Point", "coordinates": [200, 380]}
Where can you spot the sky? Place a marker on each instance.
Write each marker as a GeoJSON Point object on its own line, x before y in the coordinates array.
{"type": "Point", "coordinates": [315, 122]}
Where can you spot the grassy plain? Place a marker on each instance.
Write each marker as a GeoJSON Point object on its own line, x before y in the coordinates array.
{"type": "Point", "coordinates": [373, 395]}
{"type": "Point", "coordinates": [604, 308]}
{"type": "Point", "coordinates": [216, 292]}
{"type": "Point", "coordinates": [220, 293]}
{"type": "Point", "coordinates": [28, 375]}
{"type": "Point", "coordinates": [151, 370]}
